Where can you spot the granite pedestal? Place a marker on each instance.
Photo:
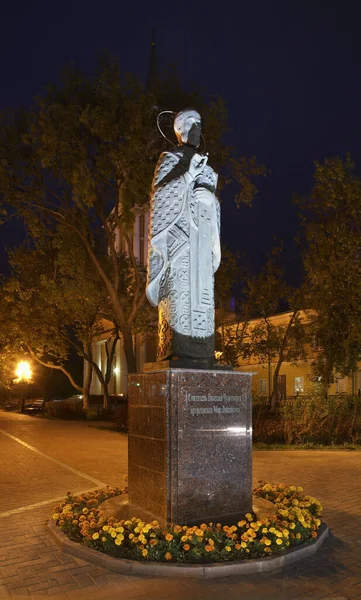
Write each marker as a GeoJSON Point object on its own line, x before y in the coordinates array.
{"type": "Point", "coordinates": [190, 445]}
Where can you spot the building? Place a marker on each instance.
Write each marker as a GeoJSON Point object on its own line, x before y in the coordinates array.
{"type": "Point", "coordinates": [294, 379]}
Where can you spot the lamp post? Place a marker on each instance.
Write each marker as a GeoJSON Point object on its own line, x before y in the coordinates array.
{"type": "Point", "coordinates": [23, 376]}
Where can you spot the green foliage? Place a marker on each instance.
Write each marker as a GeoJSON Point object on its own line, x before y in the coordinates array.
{"type": "Point", "coordinates": [317, 420]}
{"type": "Point", "coordinates": [332, 225]}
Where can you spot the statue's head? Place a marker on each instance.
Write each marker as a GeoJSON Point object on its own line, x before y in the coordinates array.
{"type": "Point", "coordinates": [187, 127]}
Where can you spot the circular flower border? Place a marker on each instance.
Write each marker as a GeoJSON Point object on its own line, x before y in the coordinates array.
{"type": "Point", "coordinates": [296, 521]}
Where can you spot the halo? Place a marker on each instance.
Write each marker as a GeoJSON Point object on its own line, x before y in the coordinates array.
{"type": "Point", "coordinates": [172, 112]}
{"type": "Point", "coordinates": [169, 112]}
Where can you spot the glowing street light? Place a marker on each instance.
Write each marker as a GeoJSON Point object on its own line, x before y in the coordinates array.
{"type": "Point", "coordinates": [23, 372]}
{"type": "Point", "coordinates": [24, 376]}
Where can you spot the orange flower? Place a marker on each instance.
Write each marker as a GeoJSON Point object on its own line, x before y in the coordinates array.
{"type": "Point", "coordinates": [209, 548]}
{"type": "Point", "coordinates": [168, 556]}
{"type": "Point", "coordinates": [169, 537]}
{"type": "Point", "coordinates": [186, 547]}
{"type": "Point", "coordinates": [153, 542]}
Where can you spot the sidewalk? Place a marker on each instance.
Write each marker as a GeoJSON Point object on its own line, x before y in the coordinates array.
{"type": "Point", "coordinates": [31, 566]}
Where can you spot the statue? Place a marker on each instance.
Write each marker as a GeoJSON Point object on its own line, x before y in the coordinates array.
{"type": "Point", "coordinates": [184, 246]}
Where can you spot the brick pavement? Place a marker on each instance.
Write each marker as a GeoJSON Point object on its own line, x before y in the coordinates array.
{"type": "Point", "coordinates": [31, 565]}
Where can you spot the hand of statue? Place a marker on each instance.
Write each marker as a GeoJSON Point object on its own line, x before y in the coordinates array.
{"type": "Point", "coordinates": [201, 194]}
{"type": "Point", "coordinates": [197, 164]}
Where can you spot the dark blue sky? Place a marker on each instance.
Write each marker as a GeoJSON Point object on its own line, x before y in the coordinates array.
{"type": "Point", "coordinates": [289, 71]}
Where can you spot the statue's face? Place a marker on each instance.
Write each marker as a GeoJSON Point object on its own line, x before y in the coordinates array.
{"type": "Point", "coordinates": [187, 127]}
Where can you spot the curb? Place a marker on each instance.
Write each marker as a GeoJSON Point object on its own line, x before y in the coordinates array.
{"type": "Point", "coordinates": [199, 571]}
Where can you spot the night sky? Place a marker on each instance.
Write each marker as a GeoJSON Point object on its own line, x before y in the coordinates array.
{"type": "Point", "coordinates": [289, 72]}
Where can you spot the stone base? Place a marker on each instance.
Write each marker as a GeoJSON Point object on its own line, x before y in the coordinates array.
{"type": "Point", "coordinates": [190, 445]}
{"type": "Point", "coordinates": [120, 508]}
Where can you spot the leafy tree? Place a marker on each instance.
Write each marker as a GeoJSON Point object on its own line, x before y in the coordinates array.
{"type": "Point", "coordinates": [57, 306]}
{"type": "Point", "coordinates": [83, 156]}
{"type": "Point", "coordinates": [332, 226]}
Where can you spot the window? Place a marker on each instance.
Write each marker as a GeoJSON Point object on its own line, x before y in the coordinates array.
{"type": "Point", "coordinates": [262, 387]}
{"type": "Point", "coordinates": [299, 385]}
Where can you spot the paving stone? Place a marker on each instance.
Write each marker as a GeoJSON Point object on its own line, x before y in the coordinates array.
{"type": "Point", "coordinates": [35, 567]}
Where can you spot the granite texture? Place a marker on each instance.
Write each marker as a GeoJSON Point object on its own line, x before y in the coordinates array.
{"type": "Point", "coordinates": [190, 444]}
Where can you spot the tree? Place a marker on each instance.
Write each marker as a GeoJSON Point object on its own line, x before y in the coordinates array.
{"type": "Point", "coordinates": [56, 308]}
{"type": "Point", "coordinates": [84, 156]}
{"type": "Point", "coordinates": [332, 225]}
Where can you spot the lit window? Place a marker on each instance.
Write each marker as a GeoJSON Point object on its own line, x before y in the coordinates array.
{"type": "Point", "coordinates": [262, 387]}
{"type": "Point", "coordinates": [299, 385]}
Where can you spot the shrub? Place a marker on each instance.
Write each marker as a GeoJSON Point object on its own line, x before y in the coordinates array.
{"type": "Point", "coordinates": [318, 420]}
{"type": "Point", "coordinates": [64, 410]}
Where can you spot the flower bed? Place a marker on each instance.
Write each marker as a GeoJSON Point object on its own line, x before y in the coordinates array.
{"type": "Point", "coordinates": [296, 521]}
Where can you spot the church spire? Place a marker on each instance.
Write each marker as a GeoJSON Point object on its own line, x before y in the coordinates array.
{"type": "Point", "coordinates": [153, 76]}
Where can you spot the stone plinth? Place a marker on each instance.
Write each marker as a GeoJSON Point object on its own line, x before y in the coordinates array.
{"type": "Point", "coordinates": [190, 437]}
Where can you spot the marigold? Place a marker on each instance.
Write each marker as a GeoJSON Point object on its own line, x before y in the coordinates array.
{"type": "Point", "coordinates": [186, 547]}
{"type": "Point", "coordinates": [85, 511]}
{"type": "Point", "coordinates": [228, 548]}
{"type": "Point", "coordinates": [104, 539]}
{"type": "Point", "coordinates": [243, 545]}
{"type": "Point", "coordinates": [279, 541]}
{"type": "Point", "coordinates": [168, 556]}
{"type": "Point", "coordinates": [144, 552]}
{"type": "Point", "coordinates": [169, 537]}
{"type": "Point", "coordinates": [184, 538]}
{"type": "Point", "coordinates": [95, 536]}
{"type": "Point", "coordinates": [118, 541]}
{"type": "Point", "coordinates": [209, 548]}
{"type": "Point", "coordinates": [153, 542]}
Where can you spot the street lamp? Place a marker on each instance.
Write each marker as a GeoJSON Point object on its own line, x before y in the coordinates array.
{"type": "Point", "coordinates": [24, 376]}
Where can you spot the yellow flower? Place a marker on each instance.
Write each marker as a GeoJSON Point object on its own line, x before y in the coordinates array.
{"type": "Point", "coordinates": [56, 517]}
{"type": "Point", "coordinates": [184, 538]}
{"type": "Point", "coordinates": [113, 534]}
{"type": "Point", "coordinates": [241, 523]}
{"type": "Point", "coordinates": [119, 529]}
{"type": "Point", "coordinates": [285, 533]}
{"type": "Point", "coordinates": [95, 536]}
{"type": "Point", "coordinates": [300, 489]}
{"type": "Point", "coordinates": [120, 537]}
{"type": "Point", "coordinates": [144, 552]}
{"type": "Point", "coordinates": [105, 527]}
{"type": "Point", "coordinates": [168, 556]}
{"type": "Point", "coordinates": [292, 525]}
{"type": "Point", "coordinates": [131, 535]}
{"type": "Point", "coordinates": [104, 539]}
{"type": "Point", "coordinates": [264, 530]}
{"type": "Point", "coordinates": [177, 528]}
{"type": "Point", "coordinates": [118, 541]}
{"type": "Point", "coordinates": [279, 541]}
{"type": "Point", "coordinates": [85, 511]}
{"type": "Point", "coordinates": [228, 548]}
{"type": "Point", "coordinates": [199, 532]}
{"type": "Point", "coordinates": [267, 541]}
{"type": "Point", "coordinates": [298, 536]}
{"type": "Point", "coordinates": [243, 545]}
{"type": "Point", "coordinates": [74, 522]}
{"type": "Point", "coordinates": [249, 517]}
{"type": "Point", "coordinates": [169, 537]}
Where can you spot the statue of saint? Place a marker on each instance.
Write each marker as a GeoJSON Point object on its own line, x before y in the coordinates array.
{"type": "Point", "coordinates": [184, 246]}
